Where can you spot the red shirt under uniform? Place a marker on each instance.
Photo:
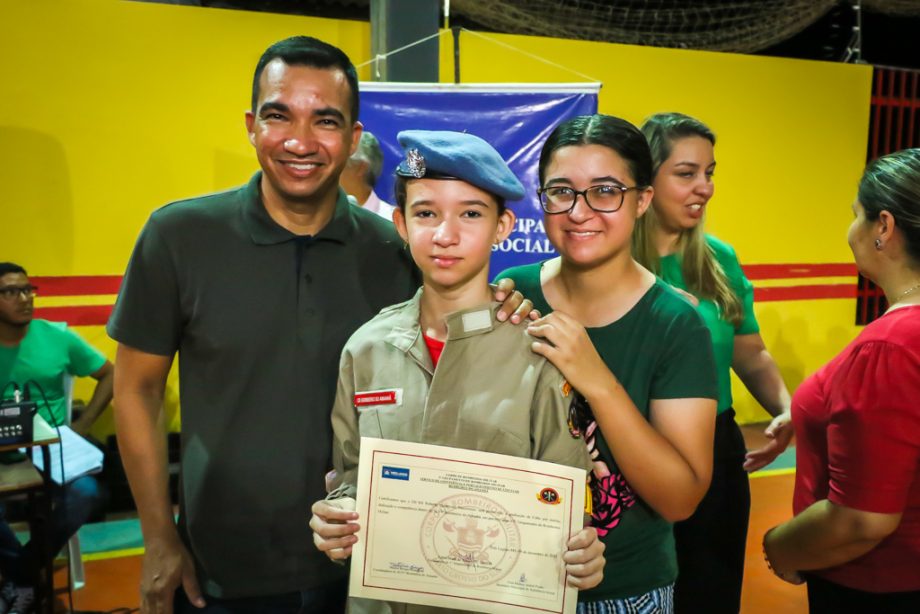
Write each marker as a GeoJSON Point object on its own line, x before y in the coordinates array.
{"type": "Point", "coordinates": [435, 348]}
{"type": "Point", "coordinates": [857, 427]}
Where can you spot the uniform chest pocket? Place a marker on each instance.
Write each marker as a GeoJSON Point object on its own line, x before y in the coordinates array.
{"type": "Point", "coordinates": [385, 415]}
{"type": "Point", "coordinates": [498, 438]}
{"type": "Point", "coordinates": [371, 423]}
{"type": "Point", "coordinates": [390, 422]}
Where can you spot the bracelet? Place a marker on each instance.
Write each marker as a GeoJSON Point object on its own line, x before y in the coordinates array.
{"type": "Point", "coordinates": [763, 548]}
{"type": "Point", "coordinates": [793, 577]}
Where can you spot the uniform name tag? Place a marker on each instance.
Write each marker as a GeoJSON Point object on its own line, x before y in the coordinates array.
{"type": "Point", "coordinates": [378, 397]}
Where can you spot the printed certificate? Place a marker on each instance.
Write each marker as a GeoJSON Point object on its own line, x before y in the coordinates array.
{"type": "Point", "coordinates": [463, 529]}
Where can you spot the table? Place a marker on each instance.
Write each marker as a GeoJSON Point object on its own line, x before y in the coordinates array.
{"type": "Point", "coordinates": [24, 478]}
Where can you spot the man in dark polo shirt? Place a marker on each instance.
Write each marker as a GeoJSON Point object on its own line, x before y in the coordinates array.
{"type": "Point", "coordinates": [257, 289]}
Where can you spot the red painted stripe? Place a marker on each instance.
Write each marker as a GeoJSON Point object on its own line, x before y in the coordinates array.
{"type": "Point", "coordinates": [887, 101]}
{"type": "Point", "coordinates": [792, 271]}
{"type": "Point", "coordinates": [98, 315]}
{"type": "Point", "coordinates": [90, 285]}
{"type": "Point", "coordinates": [83, 315]}
{"type": "Point", "coordinates": [803, 293]}
{"type": "Point", "coordinates": [77, 285]}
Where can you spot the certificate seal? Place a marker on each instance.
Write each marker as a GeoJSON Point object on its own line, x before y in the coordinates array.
{"type": "Point", "coordinates": [470, 540]}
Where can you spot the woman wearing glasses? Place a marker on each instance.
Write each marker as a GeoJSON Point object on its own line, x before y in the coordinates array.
{"type": "Point", "coordinates": [669, 241]}
{"type": "Point", "coordinates": [636, 351]}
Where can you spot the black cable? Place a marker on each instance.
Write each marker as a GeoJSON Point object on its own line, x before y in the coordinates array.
{"type": "Point", "coordinates": [57, 427]}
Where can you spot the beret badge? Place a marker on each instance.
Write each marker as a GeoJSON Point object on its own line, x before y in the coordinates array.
{"type": "Point", "coordinates": [415, 163]}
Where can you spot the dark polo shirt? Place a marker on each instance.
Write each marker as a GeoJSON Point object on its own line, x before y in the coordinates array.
{"type": "Point", "coordinates": [258, 317]}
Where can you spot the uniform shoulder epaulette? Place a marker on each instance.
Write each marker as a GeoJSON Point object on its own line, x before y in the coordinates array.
{"type": "Point", "coordinates": [390, 308]}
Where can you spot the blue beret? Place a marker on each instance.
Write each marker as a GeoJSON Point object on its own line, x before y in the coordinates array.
{"type": "Point", "coordinates": [458, 155]}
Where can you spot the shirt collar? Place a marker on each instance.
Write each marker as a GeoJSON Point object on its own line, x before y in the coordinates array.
{"type": "Point", "coordinates": [407, 330]}
{"type": "Point", "coordinates": [265, 231]}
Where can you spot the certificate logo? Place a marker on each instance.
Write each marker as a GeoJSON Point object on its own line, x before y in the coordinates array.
{"type": "Point", "coordinates": [470, 540]}
{"type": "Point", "coordinates": [394, 473]}
{"type": "Point", "coordinates": [550, 496]}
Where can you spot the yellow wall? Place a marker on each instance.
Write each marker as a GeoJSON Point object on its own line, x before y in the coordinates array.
{"type": "Point", "coordinates": [791, 133]}
{"type": "Point", "coordinates": [112, 108]}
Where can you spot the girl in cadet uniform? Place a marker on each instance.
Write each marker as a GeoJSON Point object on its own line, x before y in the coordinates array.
{"type": "Point", "coordinates": [670, 241]}
{"type": "Point", "coordinates": [636, 351]}
{"type": "Point", "coordinates": [457, 377]}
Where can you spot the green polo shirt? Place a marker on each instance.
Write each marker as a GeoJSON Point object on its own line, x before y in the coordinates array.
{"type": "Point", "coordinates": [723, 332]}
{"type": "Point", "coordinates": [45, 354]}
{"type": "Point", "coordinates": [258, 317]}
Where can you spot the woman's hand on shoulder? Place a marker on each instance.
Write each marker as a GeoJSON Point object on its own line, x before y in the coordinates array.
{"type": "Point", "coordinates": [513, 303]}
{"type": "Point", "coordinates": [334, 523]}
{"type": "Point", "coordinates": [563, 341]}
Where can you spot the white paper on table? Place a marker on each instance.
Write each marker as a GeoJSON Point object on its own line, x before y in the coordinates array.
{"type": "Point", "coordinates": [80, 457]}
{"type": "Point", "coordinates": [463, 529]}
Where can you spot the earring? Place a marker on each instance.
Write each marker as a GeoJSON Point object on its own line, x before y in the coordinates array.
{"type": "Point", "coordinates": [878, 244]}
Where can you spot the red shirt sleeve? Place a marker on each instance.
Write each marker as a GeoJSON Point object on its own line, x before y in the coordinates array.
{"type": "Point", "coordinates": [873, 437]}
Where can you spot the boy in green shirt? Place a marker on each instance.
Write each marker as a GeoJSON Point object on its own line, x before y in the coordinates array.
{"type": "Point", "coordinates": [39, 354]}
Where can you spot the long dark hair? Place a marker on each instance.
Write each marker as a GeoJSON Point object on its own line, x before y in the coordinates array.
{"type": "Point", "coordinates": [605, 130]}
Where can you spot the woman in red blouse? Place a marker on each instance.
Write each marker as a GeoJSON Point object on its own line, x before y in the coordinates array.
{"type": "Point", "coordinates": [855, 536]}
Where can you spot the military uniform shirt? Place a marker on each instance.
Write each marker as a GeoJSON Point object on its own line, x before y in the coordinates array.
{"type": "Point", "coordinates": [490, 392]}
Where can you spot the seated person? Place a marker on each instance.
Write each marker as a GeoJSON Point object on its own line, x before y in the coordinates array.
{"type": "Point", "coordinates": [451, 192]}
{"type": "Point", "coordinates": [361, 173]}
{"type": "Point", "coordinates": [43, 352]}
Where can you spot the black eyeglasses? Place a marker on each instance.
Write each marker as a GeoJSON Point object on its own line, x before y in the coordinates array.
{"type": "Point", "coordinates": [11, 292]}
{"type": "Point", "coordinates": [607, 198]}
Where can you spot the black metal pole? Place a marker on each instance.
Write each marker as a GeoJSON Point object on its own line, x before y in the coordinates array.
{"type": "Point", "coordinates": [456, 32]}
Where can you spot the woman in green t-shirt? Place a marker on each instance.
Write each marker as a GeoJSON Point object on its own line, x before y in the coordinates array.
{"type": "Point", "coordinates": [669, 241]}
{"type": "Point", "coordinates": [637, 352]}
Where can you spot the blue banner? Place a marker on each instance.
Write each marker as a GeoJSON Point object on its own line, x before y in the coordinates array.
{"type": "Point", "coordinates": [515, 119]}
